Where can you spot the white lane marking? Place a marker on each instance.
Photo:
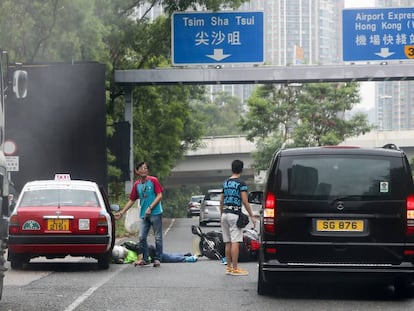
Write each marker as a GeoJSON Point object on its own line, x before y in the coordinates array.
{"type": "Point", "coordinates": [92, 289]}
{"type": "Point", "coordinates": [169, 227]}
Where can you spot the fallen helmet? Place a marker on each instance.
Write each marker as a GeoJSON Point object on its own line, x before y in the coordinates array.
{"type": "Point", "coordinates": [119, 252]}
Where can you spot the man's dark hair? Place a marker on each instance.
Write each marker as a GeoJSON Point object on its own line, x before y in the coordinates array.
{"type": "Point", "coordinates": [237, 166]}
{"type": "Point", "coordinates": [141, 164]}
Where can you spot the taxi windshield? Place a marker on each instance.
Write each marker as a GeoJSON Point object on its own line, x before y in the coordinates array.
{"type": "Point", "coordinates": [59, 197]}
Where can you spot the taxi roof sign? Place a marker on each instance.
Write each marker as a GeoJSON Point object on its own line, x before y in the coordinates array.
{"type": "Point", "coordinates": [62, 177]}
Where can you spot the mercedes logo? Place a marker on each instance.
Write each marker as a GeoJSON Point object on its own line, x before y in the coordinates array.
{"type": "Point", "coordinates": [340, 205]}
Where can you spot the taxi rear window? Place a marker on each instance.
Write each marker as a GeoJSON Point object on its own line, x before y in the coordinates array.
{"type": "Point", "coordinates": [61, 197]}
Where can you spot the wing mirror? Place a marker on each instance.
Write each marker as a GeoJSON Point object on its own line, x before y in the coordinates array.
{"type": "Point", "coordinates": [20, 83]}
{"type": "Point", "coordinates": [255, 197]}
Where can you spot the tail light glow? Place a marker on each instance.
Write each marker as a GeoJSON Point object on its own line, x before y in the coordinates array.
{"type": "Point", "coordinates": [269, 213]}
{"type": "Point", "coordinates": [102, 225]}
{"type": "Point", "coordinates": [14, 226]}
{"type": "Point", "coordinates": [271, 250]}
{"type": "Point", "coordinates": [410, 214]}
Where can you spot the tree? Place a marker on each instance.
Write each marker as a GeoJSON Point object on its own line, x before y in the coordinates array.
{"type": "Point", "coordinates": [301, 115]}
{"type": "Point", "coordinates": [111, 32]}
{"type": "Point", "coordinates": [322, 108]}
{"type": "Point", "coordinates": [221, 116]}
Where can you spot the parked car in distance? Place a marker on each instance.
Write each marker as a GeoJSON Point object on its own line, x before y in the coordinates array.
{"type": "Point", "coordinates": [343, 213]}
{"type": "Point", "coordinates": [61, 217]}
{"type": "Point", "coordinates": [210, 207]}
{"type": "Point", "coordinates": [255, 199]}
{"type": "Point", "coordinates": [193, 207]}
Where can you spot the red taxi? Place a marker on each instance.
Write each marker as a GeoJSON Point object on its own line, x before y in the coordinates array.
{"type": "Point", "coordinates": [59, 218]}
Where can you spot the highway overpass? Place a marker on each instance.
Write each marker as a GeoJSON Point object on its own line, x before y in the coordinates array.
{"type": "Point", "coordinates": [382, 71]}
{"type": "Point", "coordinates": [210, 165]}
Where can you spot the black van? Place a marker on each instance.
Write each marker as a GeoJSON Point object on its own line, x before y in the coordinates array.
{"type": "Point", "coordinates": [338, 212]}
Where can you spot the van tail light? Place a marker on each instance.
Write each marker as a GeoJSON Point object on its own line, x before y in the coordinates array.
{"type": "Point", "coordinates": [410, 214]}
{"type": "Point", "coordinates": [269, 213]}
{"type": "Point", "coordinates": [102, 225]}
{"type": "Point", "coordinates": [14, 226]}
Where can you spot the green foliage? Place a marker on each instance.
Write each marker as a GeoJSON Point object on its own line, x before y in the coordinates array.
{"type": "Point", "coordinates": [110, 32]}
{"type": "Point", "coordinates": [213, 5]}
{"type": "Point", "coordinates": [265, 149]}
{"type": "Point", "coordinates": [52, 30]}
{"type": "Point", "coordinates": [219, 117]}
{"type": "Point", "coordinates": [162, 121]}
{"type": "Point", "coordinates": [175, 201]}
{"type": "Point", "coordinates": [272, 108]}
{"type": "Point", "coordinates": [322, 110]}
{"type": "Point", "coordinates": [307, 115]}
{"type": "Point", "coordinates": [412, 165]}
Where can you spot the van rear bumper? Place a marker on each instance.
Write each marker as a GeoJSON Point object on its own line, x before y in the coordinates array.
{"type": "Point", "coordinates": [299, 272]}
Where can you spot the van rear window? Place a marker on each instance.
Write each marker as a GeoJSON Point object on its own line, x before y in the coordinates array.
{"type": "Point", "coordinates": [333, 176]}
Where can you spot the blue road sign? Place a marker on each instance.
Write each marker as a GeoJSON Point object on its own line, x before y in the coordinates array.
{"type": "Point", "coordinates": [378, 34]}
{"type": "Point", "coordinates": [217, 38]}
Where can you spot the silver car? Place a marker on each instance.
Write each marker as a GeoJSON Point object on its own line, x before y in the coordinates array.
{"type": "Point", "coordinates": [193, 207]}
{"type": "Point", "coordinates": [255, 199]}
{"type": "Point", "coordinates": [210, 207]}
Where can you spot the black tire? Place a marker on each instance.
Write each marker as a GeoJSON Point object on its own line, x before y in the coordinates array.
{"type": "Point", "coordinates": [17, 262]}
{"type": "Point", "coordinates": [403, 288]}
{"type": "Point", "coordinates": [264, 288]}
{"type": "Point", "coordinates": [217, 238]}
{"type": "Point", "coordinates": [1, 285]}
{"type": "Point", "coordinates": [202, 223]}
{"type": "Point", "coordinates": [207, 251]}
{"type": "Point", "coordinates": [104, 261]}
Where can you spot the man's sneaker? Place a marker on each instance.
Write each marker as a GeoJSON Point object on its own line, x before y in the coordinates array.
{"type": "Point", "coordinates": [157, 263]}
{"type": "Point", "coordinates": [229, 270]}
{"type": "Point", "coordinates": [190, 259]}
{"type": "Point", "coordinates": [224, 261]}
{"type": "Point", "coordinates": [239, 271]}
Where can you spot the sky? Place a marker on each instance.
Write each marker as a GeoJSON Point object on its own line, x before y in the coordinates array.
{"type": "Point", "coordinates": [359, 3]}
{"type": "Point", "coordinates": [367, 89]}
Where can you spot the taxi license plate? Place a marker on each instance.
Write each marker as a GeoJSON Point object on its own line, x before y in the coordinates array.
{"type": "Point", "coordinates": [58, 224]}
{"type": "Point", "coordinates": [336, 225]}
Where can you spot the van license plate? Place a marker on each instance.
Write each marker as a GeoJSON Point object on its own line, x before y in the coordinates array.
{"type": "Point", "coordinates": [58, 224]}
{"type": "Point", "coordinates": [335, 225]}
